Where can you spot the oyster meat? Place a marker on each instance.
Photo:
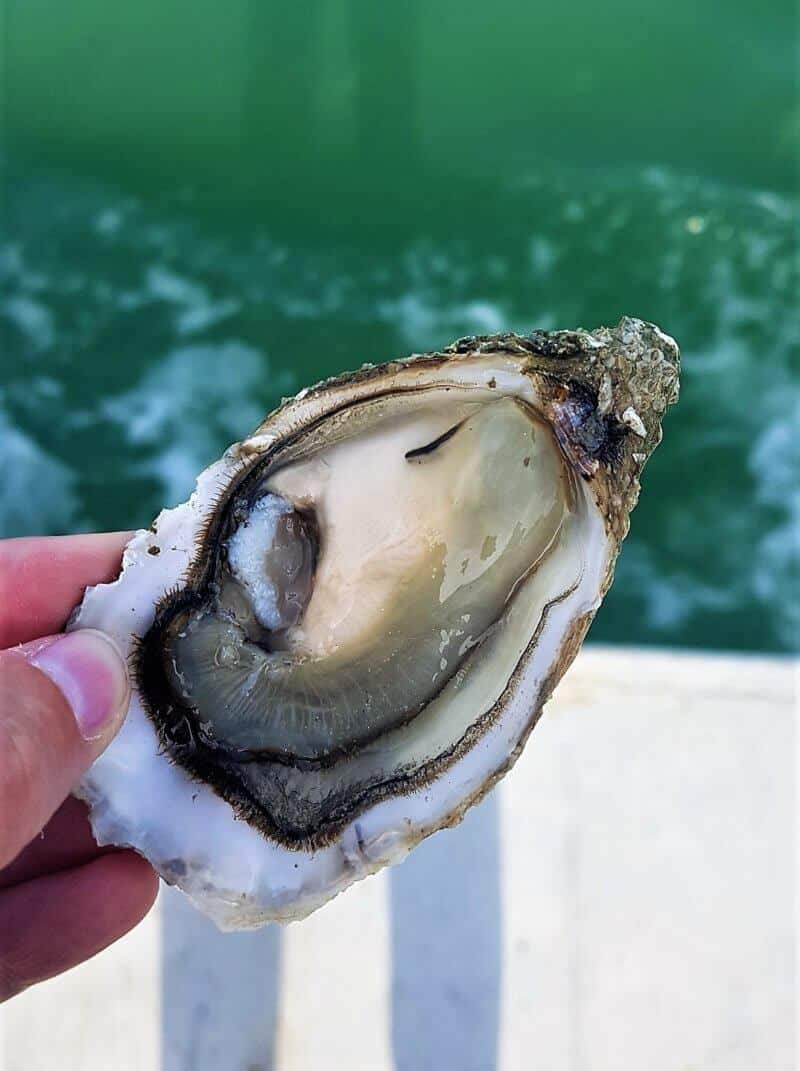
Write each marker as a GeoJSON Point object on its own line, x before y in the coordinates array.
{"type": "Point", "coordinates": [345, 636]}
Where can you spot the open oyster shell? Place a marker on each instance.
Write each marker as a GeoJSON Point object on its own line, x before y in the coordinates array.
{"type": "Point", "coordinates": [345, 636]}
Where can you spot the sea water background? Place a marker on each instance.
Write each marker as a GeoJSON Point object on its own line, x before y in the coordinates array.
{"type": "Point", "coordinates": [141, 339]}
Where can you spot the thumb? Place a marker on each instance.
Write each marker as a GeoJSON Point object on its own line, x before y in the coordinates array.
{"type": "Point", "coordinates": [62, 701]}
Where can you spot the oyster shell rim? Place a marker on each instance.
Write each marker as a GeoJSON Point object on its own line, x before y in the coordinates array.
{"type": "Point", "coordinates": [618, 385]}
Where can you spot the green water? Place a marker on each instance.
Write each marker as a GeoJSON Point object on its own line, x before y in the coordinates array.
{"type": "Point", "coordinates": [207, 207]}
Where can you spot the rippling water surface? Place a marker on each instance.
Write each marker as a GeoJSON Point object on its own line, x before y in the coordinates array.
{"type": "Point", "coordinates": [140, 338]}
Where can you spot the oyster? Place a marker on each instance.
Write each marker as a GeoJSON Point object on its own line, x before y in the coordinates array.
{"type": "Point", "coordinates": [345, 636]}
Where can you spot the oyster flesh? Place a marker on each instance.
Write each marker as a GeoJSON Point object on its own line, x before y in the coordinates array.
{"type": "Point", "coordinates": [345, 636]}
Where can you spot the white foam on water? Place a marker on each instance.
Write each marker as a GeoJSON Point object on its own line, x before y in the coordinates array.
{"type": "Point", "coordinates": [37, 492]}
{"type": "Point", "coordinates": [188, 406]}
{"type": "Point", "coordinates": [200, 317]}
{"type": "Point", "coordinates": [167, 285]}
{"type": "Point", "coordinates": [426, 324]}
{"type": "Point", "coordinates": [196, 310]}
{"type": "Point", "coordinates": [775, 461]}
{"type": "Point", "coordinates": [32, 318]}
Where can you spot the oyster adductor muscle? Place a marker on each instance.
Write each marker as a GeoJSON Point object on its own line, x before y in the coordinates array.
{"type": "Point", "coordinates": [345, 636]}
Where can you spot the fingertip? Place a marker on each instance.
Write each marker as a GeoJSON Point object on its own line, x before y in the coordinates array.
{"type": "Point", "coordinates": [88, 669]}
{"type": "Point", "coordinates": [61, 702]}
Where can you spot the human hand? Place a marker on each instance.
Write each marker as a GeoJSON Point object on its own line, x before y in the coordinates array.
{"type": "Point", "coordinates": [62, 700]}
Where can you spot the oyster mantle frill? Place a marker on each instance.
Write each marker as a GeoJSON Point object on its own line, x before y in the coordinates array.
{"type": "Point", "coordinates": [345, 636]}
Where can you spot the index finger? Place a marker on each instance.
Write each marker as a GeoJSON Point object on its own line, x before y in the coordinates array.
{"type": "Point", "coordinates": [42, 579]}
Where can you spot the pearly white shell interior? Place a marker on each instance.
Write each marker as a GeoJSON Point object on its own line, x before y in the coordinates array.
{"type": "Point", "coordinates": [230, 871]}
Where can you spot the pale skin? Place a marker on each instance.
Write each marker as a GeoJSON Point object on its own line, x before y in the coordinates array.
{"type": "Point", "coordinates": [62, 700]}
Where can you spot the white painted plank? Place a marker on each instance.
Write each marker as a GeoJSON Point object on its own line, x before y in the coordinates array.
{"type": "Point", "coordinates": [446, 949]}
{"type": "Point", "coordinates": [334, 1009]}
{"type": "Point", "coordinates": [219, 992]}
{"type": "Point", "coordinates": [648, 907]}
